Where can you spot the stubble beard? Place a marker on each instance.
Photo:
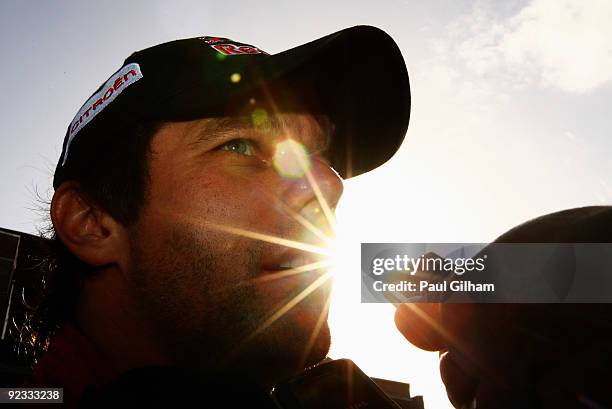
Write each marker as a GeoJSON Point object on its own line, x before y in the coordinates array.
{"type": "Point", "coordinates": [201, 307]}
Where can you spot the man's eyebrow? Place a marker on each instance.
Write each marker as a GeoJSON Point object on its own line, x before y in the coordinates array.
{"type": "Point", "coordinates": [213, 129]}
{"type": "Point", "coordinates": [218, 128]}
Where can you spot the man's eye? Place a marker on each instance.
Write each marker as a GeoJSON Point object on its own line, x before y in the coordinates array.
{"type": "Point", "coordinates": [240, 146]}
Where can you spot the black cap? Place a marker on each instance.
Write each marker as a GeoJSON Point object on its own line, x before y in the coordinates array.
{"type": "Point", "coordinates": [357, 77]}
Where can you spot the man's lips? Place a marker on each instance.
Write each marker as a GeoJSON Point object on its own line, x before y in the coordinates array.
{"type": "Point", "coordinates": [288, 260]}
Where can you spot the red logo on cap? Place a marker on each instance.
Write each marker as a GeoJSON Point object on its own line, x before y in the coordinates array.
{"type": "Point", "coordinates": [233, 49]}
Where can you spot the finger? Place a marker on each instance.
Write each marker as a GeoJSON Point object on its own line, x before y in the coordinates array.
{"type": "Point", "coordinates": [421, 325]}
{"type": "Point", "coordinates": [460, 385]}
{"type": "Point", "coordinates": [434, 327]}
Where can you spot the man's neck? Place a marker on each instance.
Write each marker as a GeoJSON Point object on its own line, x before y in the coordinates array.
{"type": "Point", "coordinates": [105, 316]}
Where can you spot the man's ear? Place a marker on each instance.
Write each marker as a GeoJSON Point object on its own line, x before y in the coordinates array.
{"type": "Point", "coordinates": [90, 233]}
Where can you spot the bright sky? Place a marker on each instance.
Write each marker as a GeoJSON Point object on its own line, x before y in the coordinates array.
{"type": "Point", "coordinates": [510, 120]}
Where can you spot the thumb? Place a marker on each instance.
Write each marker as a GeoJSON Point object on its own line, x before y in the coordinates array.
{"type": "Point", "coordinates": [420, 323]}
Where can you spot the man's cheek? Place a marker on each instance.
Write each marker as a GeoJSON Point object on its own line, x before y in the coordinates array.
{"type": "Point", "coordinates": [236, 207]}
{"type": "Point", "coordinates": [299, 294]}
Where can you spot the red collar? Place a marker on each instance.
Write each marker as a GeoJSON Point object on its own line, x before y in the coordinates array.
{"type": "Point", "coordinates": [72, 362]}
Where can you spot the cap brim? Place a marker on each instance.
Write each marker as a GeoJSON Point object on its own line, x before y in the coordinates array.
{"type": "Point", "coordinates": [360, 79]}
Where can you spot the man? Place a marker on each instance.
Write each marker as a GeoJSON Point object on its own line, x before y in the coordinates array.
{"type": "Point", "coordinates": [193, 198]}
{"type": "Point", "coordinates": [525, 355]}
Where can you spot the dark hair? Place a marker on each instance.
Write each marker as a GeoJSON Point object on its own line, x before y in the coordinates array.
{"type": "Point", "coordinates": [116, 180]}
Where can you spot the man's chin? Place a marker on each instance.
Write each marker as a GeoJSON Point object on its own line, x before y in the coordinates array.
{"type": "Point", "coordinates": [276, 355]}
{"type": "Point", "coordinates": [301, 331]}
{"type": "Point", "coordinates": [319, 347]}
{"type": "Point", "coordinates": [302, 355]}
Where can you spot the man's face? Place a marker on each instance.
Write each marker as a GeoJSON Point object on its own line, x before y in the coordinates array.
{"type": "Point", "coordinates": [206, 274]}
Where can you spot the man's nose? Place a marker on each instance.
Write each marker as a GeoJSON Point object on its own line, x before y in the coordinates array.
{"type": "Point", "coordinates": [318, 189]}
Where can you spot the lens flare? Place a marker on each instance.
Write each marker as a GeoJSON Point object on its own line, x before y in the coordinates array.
{"type": "Point", "coordinates": [260, 118]}
{"type": "Point", "coordinates": [315, 333]}
{"type": "Point", "coordinates": [267, 238]}
{"type": "Point", "coordinates": [288, 306]}
{"type": "Point", "coordinates": [306, 268]}
{"type": "Point", "coordinates": [291, 159]}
